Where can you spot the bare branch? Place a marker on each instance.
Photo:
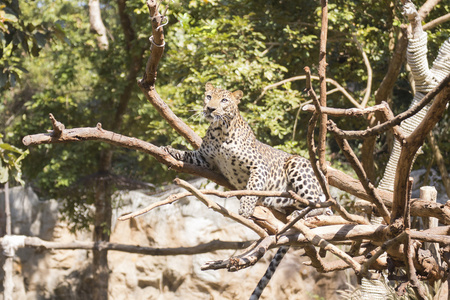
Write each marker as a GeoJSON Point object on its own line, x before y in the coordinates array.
{"type": "Point", "coordinates": [220, 209]}
{"type": "Point", "coordinates": [310, 135]}
{"type": "Point", "coordinates": [368, 186]}
{"type": "Point", "coordinates": [100, 134]}
{"type": "Point", "coordinates": [97, 26]}
{"type": "Point", "coordinates": [323, 87]}
{"type": "Point", "coordinates": [369, 73]}
{"type": "Point", "coordinates": [399, 118]}
{"type": "Point", "coordinates": [58, 127]}
{"type": "Point", "coordinates": [440, 162]}
{"type": "Point", "coordinates": [347, 112]}
{"type": "Point", "coordinates": [245, 260]}
{"type": "Point", "coordinates": [169, 200]}
{"type": "Point", "coordinates": [427, 7]}
{"type": "Point", "coordinates": [147, 83]}
{"type": "Point", "coordinates": [320, 242]}
{"type": "Point", "coordinates": [214, 245]}
{"type": "Point", "coordinates": [413, 143]}
{"type": "Point", "coordinates": [339, 87]}
{"type": "Point", "coordinates": [436, 22]}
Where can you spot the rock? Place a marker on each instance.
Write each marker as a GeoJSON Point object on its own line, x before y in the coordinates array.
{"type": "Point", "coordinates": [66, 274]}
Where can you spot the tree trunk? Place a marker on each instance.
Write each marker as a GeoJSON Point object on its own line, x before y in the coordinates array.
{"type": "Point", "coordinates": [102, 226]}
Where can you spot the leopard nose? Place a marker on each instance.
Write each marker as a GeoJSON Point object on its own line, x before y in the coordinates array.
{"type": "Point", "coordinates": [210, 109]}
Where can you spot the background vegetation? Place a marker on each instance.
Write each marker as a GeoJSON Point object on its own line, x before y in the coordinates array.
{"type": "Point", "coordinates": [51, 63]}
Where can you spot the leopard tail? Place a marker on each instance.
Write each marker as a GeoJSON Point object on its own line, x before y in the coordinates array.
{"type": "Point", "coordinates": [269, 273]}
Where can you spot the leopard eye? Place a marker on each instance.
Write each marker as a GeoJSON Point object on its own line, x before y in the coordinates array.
{"type": "Point", "coordinates": [208, 97]}
{"type": "Point", "coordinates": [224, 100]}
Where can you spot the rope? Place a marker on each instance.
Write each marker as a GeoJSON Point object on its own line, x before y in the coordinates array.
{"type": "Point", "coordinates": [153, 42]}
{"type": "Point", "coordinates": [10, 243]}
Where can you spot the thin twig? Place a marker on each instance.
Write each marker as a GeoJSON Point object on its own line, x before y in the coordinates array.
{"type": "Point", "coordinates": [169, 200]}
{"type": "Point", "coordinates": [369, 73]}
{"type": "Point", "coordinates": [220, 209]}
{"type": "Point", "coordinates": [250, 257]}
{"type": "Point", "coordinates": [356, 134]}
{"type": "Point", "coordinates": [292, 222]}
{"type": "Point", "coordinates": [359, 170]}
{"type": "Point", "coordinates": [339, 87]}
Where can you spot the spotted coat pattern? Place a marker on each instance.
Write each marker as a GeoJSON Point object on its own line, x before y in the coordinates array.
{"type": "Point", "coordinates": [231, 148]}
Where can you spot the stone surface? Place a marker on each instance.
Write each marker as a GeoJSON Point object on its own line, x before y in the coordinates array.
{"type": "Point", "coordinates": [66, 274]}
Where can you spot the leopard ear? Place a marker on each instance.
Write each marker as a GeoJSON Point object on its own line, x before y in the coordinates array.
{"type": "Point", "coordinates": [209, 86]}
{"type": "Point", "coordinates": [238, 95]}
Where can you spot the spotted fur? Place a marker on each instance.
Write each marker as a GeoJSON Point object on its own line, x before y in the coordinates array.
{"type": "Point", "coordinates": [269, 273]}
{"type": "Point", "coordinates": [231, 148]}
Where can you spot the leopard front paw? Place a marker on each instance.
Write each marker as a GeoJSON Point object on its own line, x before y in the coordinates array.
{"type": "Point", "coordinates": [173, 152]}
{"type": "Point", "coordinates": [246, 209]}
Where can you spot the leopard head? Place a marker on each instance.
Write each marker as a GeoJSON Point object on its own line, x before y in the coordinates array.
{"type": "Point", "coordinates": [221, 105]}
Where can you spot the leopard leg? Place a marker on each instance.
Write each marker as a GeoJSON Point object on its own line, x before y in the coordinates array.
{"type": "Point", "coordinates": [192, 157]}
{"type": "Point", "coordinates": [256, 182]}
{"type": "Point", "coordinates": [302, 178]}
{"type": "Point", "coordinates": [305, 184]}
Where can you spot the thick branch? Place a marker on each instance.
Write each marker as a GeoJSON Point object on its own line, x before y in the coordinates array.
{"type": "Point", "coordinates": [412, 143]}
{"type": "Point", "coordinates": [419, 207]}
{"type": "Point", "coordinates": [99, 134]}
{"type": "Point", "coordinates": [97, 26]}
{"type": "Point", "coordinates": [436, 22]}
{"type": "Point", "coordinates": [323, 86]}
{"type": "Point", "coordinates": [34, 242]}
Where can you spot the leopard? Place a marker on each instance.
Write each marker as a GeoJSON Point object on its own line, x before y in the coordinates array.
{"type": "Point", "coordinates": [231, 148]}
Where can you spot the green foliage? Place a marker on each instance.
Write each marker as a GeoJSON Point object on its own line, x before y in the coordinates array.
{"type": "Point", "coordinates": [243, 44]}
{"type": "Point", "coordinates": [11, 162]}
{"type": "Point", "coordinates": [19, 36]}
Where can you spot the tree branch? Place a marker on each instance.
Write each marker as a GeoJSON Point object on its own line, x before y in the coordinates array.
{"type": "Point", "coordinates": [310, 135]}
{"type": "Point", "coordinates": [97, 26]}
{"type": "Point", "coordinates": [412, 143]}
{"type": "Point", "coordinates": [368, 186]}
{"type": "Point", "coordinates": [99, 134]}
{"type": "Point", "coordinates": [245, 260]}
{"type": "Point", "coordinates": [147, 83]}
{"type": "Point", "coordinates": [436, 22]}
{"type": "Point", "coordinates": [323, 86]}
{"type": "Point", "coordinates": [351, 134]}
{"type": "Point", "coordinates": [369, 73]}
{"type": "Point", "coordinates": [34, 242]}
{"type": "Point", "coordinates": [339, 87]}
{"type": "Point", "coordinates": [220, 209]}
